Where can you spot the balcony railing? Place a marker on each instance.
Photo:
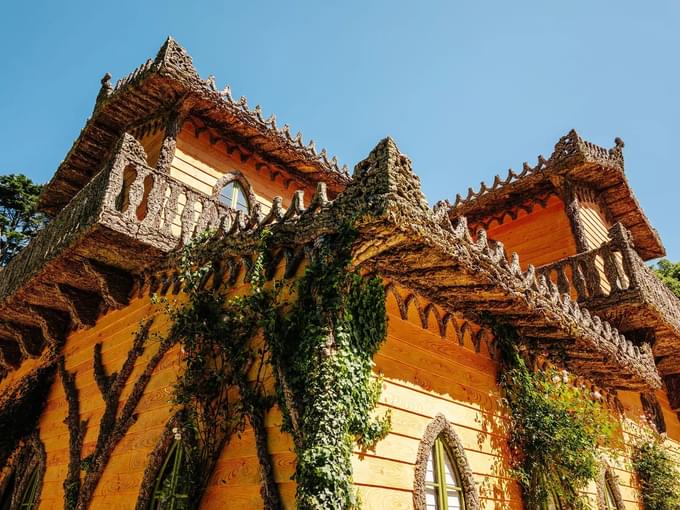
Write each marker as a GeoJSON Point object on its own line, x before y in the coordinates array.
{"type": "Point", "coordinates": [160, 209]}
{"type": "Point", "coordinates": [612, 274]}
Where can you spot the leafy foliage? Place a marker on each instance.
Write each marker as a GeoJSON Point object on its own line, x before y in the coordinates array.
{"type": "Point", "coordinates": [669, 273]}
{"type": "Point", "coordinates": [216, 334]}
{"type": "Point", "coordinates": [316, 335]}
{"type": "Point", "coordinates": [658, 476]}
{"type": "Point", "coordinates": [19, 219]}
{"type": "Point", "coordinates": [323, 349]}
{"type": "Point", "coordinates": [556, 429]}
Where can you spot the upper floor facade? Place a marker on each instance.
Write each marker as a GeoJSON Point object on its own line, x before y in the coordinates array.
{"type": "Point", "coordinates": [557, 251]}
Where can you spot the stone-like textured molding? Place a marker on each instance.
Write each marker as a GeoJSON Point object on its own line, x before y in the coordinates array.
{"type": "Point", "coordinates": [441, 427]}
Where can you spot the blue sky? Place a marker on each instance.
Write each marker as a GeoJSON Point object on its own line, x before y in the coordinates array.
{"type": "Point", "coordinates": [467, 89]}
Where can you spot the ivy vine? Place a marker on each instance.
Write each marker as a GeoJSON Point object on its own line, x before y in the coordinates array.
{"type": "Point", "coordinates": [556, 428]}
{"type": "Point", "coordinates": [658, 476]}
{"type": "Point", "coordinates": [322, 349]}
{"type": "Point", "coordinates": [316, 335]}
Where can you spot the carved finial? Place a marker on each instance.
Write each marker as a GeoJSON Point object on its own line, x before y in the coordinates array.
{"type": "Point", "coordinates": [226, 93]}
{"type": "Point", "coordinates": [619, 143]}
{"type": "Point", "coordinates": [211, 82]}
{"type": "Point", "coordinates": [106, 87]}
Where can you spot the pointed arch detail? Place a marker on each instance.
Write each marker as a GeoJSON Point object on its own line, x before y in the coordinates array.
{"type": "Point", "coordinates": [441, 427]}
{"type": "Point", "coordinates": [609, 479]}
{"type": "Point", "coordinates": [246, 187]}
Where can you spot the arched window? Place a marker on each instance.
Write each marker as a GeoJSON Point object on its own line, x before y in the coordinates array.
{"type": "Point", "coordinates": [171, 488]}
{"type": "Point", "coordinates": [443, 488]}
{"type": "Point", "coordinates": [443, 479]}
{"type": "Point", "coordinates": [608, 494]}
{"type": "Point", "coordinates": [609, 501]}
{"type": "Point", "coordinates": [233, 195]}
{"type": "Point", "coordinates": [653, 412]}
{"type": "Point", "coordinates": [30, 494]}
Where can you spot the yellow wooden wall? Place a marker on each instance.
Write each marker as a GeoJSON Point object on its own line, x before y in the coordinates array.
{"type": "Point", "coordinates": [594, 220]}
{"type": "Point", "coordinates": [424, 374]}
{"type": "Point", "coordinates": [200, 164]}
{"type": "Point", "coordinates": [542, 236]}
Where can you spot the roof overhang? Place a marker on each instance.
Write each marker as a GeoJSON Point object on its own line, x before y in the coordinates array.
{"type": "Point", "coordinates": [165, 84]}
{"type": "Point", "coordinates": [582, 163]}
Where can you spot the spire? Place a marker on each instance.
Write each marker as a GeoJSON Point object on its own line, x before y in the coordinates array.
{"type": "Point", "coordinates": [174, 57]}
{"type": "Point", "coordinates": [385, 182]}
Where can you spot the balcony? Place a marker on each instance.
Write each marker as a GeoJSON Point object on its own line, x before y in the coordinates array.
{"type": "Point", "coordinates": [613, 282]}
{"type": "Point", "coordinates": [88, 258]}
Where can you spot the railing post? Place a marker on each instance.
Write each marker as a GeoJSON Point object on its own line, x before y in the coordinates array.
{"type": "Point", "coordinates": [623, 242]}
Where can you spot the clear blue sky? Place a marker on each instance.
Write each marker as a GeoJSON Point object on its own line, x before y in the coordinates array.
{"type": "Point", "coordinates": [467, 89]}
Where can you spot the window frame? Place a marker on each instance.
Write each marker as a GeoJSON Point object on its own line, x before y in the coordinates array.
{"type": "Point", "coordinates": [177, 454]}
{"type": "Point", "coordinates": [247, 190]}
{"type": "Point", "coordinates": [440, 453]}
{"type": "Point", "coordinates": [441, 430]}
{"type": "Point", "coordinates": [159, 456]}
{"type": "Point", "coordinates": [608, 483]}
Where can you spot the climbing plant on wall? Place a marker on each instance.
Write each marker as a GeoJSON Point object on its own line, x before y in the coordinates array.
{"type": "Point", "coordinates": [322, 353]}
{"type": "Point", "coordinates": [657, 475]}
{"type": "Point", "coordinates": [556, 428]}
{"type": "Point", "coordinates": [315, 335]}
{"type": "Point", "coordinates": [222, 385]}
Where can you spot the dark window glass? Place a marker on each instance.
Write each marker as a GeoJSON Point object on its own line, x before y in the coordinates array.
{"type": "Point", "coordinates": [171, 490]}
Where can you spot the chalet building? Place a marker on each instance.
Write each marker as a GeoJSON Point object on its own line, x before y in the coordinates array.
{"type": "Point", "coordinates": [92, 346]}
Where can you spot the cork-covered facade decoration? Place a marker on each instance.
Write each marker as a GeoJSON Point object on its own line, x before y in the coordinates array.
{"type": "Point", "coordinates": [92, 344]}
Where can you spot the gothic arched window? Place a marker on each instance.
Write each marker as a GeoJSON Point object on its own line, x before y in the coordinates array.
{"type": "Point", "coordinates": [233, 195]}
{"type": "Point", "coordinates": [21, 488]}
{"type": "Point", "coordinates": [443, 488]}
{"type": "Point", "coordinates": [608, 494]}
{"type": "Point", "coordinates": [234, 190]}
{"type": "Point", "coordinates": [609, 501]}
{"type": "Point", "coordinates": [166, 481]}
{"type": "Point", "coordinates": [653, 412]}
{"type": "Point", "coordinates": [171, 488]}
{"type": "Point", "coordinates": [443, 479]}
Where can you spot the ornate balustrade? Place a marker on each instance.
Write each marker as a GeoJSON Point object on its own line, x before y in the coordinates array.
{"type": "Point", "coordinates": [156, 208]}
{"type": "Point", "coordinates": [88, 258]}
{"type": "Point", "coordinates": [614, 282]}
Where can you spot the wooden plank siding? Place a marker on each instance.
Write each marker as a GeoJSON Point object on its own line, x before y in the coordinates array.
{"type": "Point", "coordinates": [542, 236]}
{"type": "Point", "coordinates": [423, 374]}
{"type": "Point", "coordinates": [594, 219]}
{"type": "Point", "coordinates": [200, 164]}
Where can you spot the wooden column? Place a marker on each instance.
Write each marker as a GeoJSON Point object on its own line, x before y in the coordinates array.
{"type": "Point", "coordinates": [572, 209]}
{"type": "Point", "coordinates": [167, 152]}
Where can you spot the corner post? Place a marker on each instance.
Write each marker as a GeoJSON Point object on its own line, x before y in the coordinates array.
{"type": "Point", "coordinates": [623, 241]}
{"type": "Point", "coordinates": [173, 125]}
{"type": "Point", "coordinates": [573, 212]}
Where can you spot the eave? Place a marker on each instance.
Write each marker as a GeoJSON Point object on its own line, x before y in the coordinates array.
{"type": "Point", "coordinates": [71, 270]}
{"type": "Point", "coordinates": [170, 83]}
{"type": "Point", "coordinates": [581, 162]}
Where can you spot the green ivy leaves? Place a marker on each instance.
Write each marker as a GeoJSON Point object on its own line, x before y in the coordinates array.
{"type": "Point", "coordinates": [658, 476]}
{"type": "Point", "coordinates": [556, 429]}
